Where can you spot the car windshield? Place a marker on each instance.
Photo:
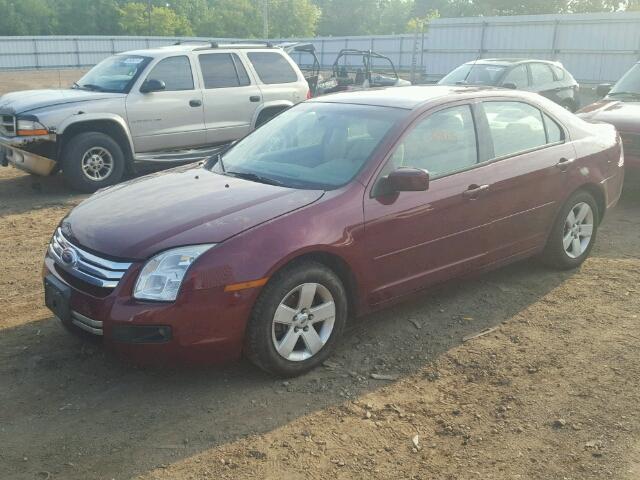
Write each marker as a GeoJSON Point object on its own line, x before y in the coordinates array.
{"type": "Point", "coordinates": [115, 74]}
{"type": "Point", "coordinates": [311, 146]}
{"type": "Point", "coordinates": [629, 84]}
{"type": "Point", "coordinates": [474, 74]}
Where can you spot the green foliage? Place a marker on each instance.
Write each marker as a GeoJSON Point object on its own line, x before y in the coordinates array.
{"type": "Point", "coordinates": [245, 18]}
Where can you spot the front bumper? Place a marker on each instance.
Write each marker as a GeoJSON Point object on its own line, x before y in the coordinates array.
{"type": "Point", "coordinates": [203, 327]}
{"type": "Point", "coordinates": [15, 151]}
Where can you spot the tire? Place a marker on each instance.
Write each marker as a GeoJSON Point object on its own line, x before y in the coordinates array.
{"type": "Point", "coordinates": [267, 115]}
{"type": "Point", "coordinates": [88, 148]}
{"type": "Point", "coordinates": [558, 253]}
{"type": "Point", "coordinates": [569, 105]}
{"type": "Point", "coordinates": [292, 288]}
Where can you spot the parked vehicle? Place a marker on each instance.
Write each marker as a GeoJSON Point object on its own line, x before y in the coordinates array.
{"type": "Point", "coordinates": [308, 62]}
{"type": "Point", "coordinates": [337, 207]}
{"type": "Point", "coordinates": [160, 106]}
{"type": "Point", "coordinates": [621, 107]}
{"type": "Point", "coordinates": [359, 70]}
{"type": "Point", "coordinates": [549, 79]}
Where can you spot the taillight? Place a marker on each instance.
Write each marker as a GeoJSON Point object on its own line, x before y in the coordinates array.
{"type": "Point", "coordinates": [308, 94]}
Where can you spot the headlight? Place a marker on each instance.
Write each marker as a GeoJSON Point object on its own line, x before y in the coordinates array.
{"type": "Point", "coordinates": [31, 128]}
{"type": "Point", "coordinates": [162, 275]}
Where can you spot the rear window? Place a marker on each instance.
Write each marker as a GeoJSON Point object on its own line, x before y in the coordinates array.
{"type": "Point", "coordinates": [272, 67]}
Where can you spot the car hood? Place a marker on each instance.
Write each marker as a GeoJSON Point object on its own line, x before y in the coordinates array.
{"type": "Point", "coordinates": [625, 116]}
{"type": "Point", "coordinates": [29, 100]}
{"type": "Point", "coordinates": [178, 207]}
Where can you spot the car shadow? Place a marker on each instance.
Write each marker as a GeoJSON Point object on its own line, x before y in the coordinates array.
{"type": "Point", "coordinates": [67, 402]}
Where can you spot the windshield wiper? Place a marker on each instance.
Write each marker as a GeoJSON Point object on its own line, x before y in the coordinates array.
{"type": "Point", "coordinates": [90, 86]}
{"type": "Point", "coordinates": [631, 94]}
{"type": "Point", "coordinates": [254, 177]}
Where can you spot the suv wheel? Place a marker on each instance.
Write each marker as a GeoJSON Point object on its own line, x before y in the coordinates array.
{"type": "Point", "coordinates": [297, 320]}
{"type": "Point", "coordinates": [569, 105]}
{"type": "Point", "coordinates": [92, 160]}
{"type": "Point", "coordinates": [574, 232]}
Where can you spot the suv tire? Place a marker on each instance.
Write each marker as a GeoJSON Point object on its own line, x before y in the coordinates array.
{"type": "Point", "coordinates": [91, 161]}
{"type": "Point", "coordinates": [284, 313]}
{"type": "Point", "coordinates": [573, 235]}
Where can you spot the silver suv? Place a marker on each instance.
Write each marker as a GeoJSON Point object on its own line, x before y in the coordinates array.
{"type": "Point", "coordinates": [164, 106]}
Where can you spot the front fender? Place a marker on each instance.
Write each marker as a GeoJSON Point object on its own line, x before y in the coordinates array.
{"type": "Point", "coordinates": [97, 117]}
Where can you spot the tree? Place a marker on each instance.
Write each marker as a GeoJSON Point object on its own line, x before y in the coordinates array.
{"type": "Point", "coordinates": [292, 18]}
{"type": "Point", "coordinates": [26, 17]}
{"type": "Point", "coordinates": [134, 20]}
{"type": "Point", "coordinates": [97, 17]}
{"type": "Point", "coordinates": [231, 18]}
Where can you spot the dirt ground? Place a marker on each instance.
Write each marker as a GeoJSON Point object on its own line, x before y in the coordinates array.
{"type": "Point", "coordinates": [552, 393]}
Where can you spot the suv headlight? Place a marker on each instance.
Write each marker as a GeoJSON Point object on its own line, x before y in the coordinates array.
{"type": "Point", "coordinates": [29, 128]}
{"type": "Point", "coordinates": [162, 275]}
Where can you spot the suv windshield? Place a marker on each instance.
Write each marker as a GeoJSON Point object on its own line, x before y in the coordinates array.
{"type": "Point", "coordinates": [311, 146]}
{"type": "Point", "coordinates": [474, 74]}
{"type": "Point", "coordinates": [628, 85]}
{"type": "Point", "coordinates": [115, 74]}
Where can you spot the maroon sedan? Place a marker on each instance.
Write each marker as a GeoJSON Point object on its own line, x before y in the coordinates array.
{"type": "Point", "coordinates": [337, 207]}
{"type": "Point", "coordinates": [621, 107]}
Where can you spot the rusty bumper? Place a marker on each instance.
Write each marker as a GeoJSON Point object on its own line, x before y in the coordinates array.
{"type": "Point", "coordinates": [15, 151]}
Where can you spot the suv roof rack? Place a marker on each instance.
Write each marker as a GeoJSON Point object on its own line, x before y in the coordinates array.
{"type": "Point", "coordinates": [206, 45]}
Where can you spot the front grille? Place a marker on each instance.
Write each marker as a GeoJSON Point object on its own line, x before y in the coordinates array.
{"type": "Point", "coordinates": [631, 143]}
{"type": "Point", "coordinates": [7, 125]}
{"type": "Point", "coordinates": [87, 324]}
{"type": "Point", "coordinates": [83, 265]}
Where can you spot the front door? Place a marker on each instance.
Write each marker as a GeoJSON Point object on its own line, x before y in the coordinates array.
{"type": "Point", "coordinates": [172, 118]}
{"type": "Point", "coordinates": [414, 239]}
{"type": "Point", "coordinates": [231, 98]}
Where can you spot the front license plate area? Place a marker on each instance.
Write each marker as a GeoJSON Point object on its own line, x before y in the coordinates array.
{"type": "Point", "coordinates": [56, 298]}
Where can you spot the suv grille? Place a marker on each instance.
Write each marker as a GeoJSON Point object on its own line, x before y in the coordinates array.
{"type": "Point", "coordinates": [84, 265]}
{"type": "Point", "coordinates": [631, 143]}
{"type": "Point", "coordinates": [7, 125]}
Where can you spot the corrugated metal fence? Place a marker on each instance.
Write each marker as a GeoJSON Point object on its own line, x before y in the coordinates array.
{"type": "Point", "coordinates": [594, 47]}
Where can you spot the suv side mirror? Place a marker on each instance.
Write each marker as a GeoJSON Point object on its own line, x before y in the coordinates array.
{"type": "Point", "coordinates": [403, 179]}
{"type": "Point", "coordinates": [603, 89]}
{"type": "Point", "coordinates": [510, 85]}
{"type": "Point", "coordinates": [152, 85]}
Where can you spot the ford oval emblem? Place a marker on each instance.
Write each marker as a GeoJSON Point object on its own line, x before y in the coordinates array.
{"type": "Point", "coordinates": [69, 257]}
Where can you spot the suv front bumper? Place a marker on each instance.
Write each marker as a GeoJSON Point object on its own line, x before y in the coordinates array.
{"type": "Point", "coordinates": [14, 151]}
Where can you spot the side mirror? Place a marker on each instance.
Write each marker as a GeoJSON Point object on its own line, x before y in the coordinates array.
{"type": "Point", "coordinates": [152, 85]}
{"type": "Point", "coordinates": [403, 180]}
{"type": "Point", "coordinates": [603, 89]}
{"type": "Point", "coordinates": [510, 85]}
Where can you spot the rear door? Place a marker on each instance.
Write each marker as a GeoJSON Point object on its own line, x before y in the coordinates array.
{"type": "Point", "coordinates": [414, 239]}
{"type": "Point", "coordinates": [168, 119]}
{"type": "Point", "coordinates": [231, 97]}
{"type": "Point", "coordinates": [544, 82]}
{"type": "Point", "coordinates": [531, 154]}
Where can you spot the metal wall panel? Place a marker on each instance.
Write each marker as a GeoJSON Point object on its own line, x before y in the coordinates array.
{"type": "Point", "coordinates": [594, 47]}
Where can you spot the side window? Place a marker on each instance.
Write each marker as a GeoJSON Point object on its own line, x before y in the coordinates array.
{"type": "Point", "coordinates": [222, 70]}
{"type": "Point", "coordinates": [515, 127]}
{"type": "Point", "coordinates": [555, 134]}
{"type": "Point", "coordinates": [272, 67]}
{"type": "Point", "coordinates": [175, 72]}
{"type": "Point", "coordinates": [518, 76]}
{"type": "Point", "coordinates": [541, 73]}
{"type": "Point", "coordinates": [442, 143]}
{"type": "Point", "coordinates": [243, 77]}
{"type": "Point", "coordinates": [559, 72]}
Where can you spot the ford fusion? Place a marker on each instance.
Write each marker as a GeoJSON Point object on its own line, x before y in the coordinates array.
{"type": "Point", "coordinates": [339, 206]}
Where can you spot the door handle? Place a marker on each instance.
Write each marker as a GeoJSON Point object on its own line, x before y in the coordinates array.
{"type": "Point", "coordinates": [195, 103]}
{"type": "Point", "coordinates": [474, 191]}
{"type": "Point", "coordinates": [563, 163]}
{"type": "Point", "coordinates": [254, 98]}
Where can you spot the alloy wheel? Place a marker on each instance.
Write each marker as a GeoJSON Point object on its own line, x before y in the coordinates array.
{"type": "Point", "coordinates": [303, 322]}
{"type": "Point", "coordinates": [578, 230]}
{"type": "Point", "coordinates": [97, 164]}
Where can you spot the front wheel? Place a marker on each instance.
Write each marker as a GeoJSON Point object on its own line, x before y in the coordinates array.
{"type": "Point", "coordinates": [574, 233]}
{"type": "Point", "coordinates": [92, 160]}
{"type": "Point", "coordinates": [297, 320]}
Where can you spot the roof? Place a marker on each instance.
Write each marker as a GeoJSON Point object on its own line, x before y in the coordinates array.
{"type": "Point", "coordinates": [197, 45]}
{"type": "Point", "coordinates": [508, 61]}
{"type": "Point", "coordinates": [405, 97]}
